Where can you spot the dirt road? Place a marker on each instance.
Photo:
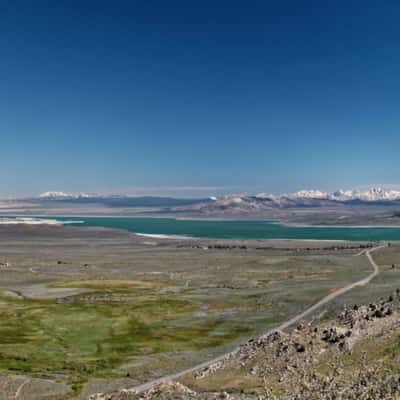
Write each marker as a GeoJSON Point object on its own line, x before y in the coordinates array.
{"type": "Point", "coordinates": [285, 325]}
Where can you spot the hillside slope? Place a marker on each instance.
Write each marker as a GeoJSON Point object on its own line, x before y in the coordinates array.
{"type": "Point", "coordinates": [355, 356]}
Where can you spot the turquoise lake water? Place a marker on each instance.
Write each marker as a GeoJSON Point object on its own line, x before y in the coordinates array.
{"type": "Point", "coordinates": [235, 229]}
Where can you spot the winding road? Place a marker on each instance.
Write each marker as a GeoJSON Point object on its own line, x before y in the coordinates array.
{"type": "Point", "coordinates": [285, 325]}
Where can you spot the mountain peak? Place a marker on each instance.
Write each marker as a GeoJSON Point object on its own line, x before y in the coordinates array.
{"type": "Point", "coordinates": [54, 195]}
{"type": "Point", "coordinates": [303, 198]}
{"type": "Point", "coordinates": [370, 194]}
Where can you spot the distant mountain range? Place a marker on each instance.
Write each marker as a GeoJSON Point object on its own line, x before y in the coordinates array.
{"type": "Point", "coordinates": [317, 197]}
{"type": "Point", "coordinates": [235, 203]}
{"type": "Point", "coordinates": [372, 194]}
{"type": "Point", "coordinates": [260, 203]}
{"type": "Point", "coordinates": [115, 200]}
{"type": "Point", "coordinates": [55, 195]}
{"type": "Point", "coordinates": [375, 206]}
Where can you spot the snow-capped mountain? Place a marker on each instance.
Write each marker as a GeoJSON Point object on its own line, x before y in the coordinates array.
{"type": "Point", "coordinates": [309, 194]}
{"type": "Point", "coordinates": [58, 195]}
{"type": "Point", "coordinates": [247, 204]}
{"type": "Point", "coordinates": [372, 194]}
{"type": "Point", "coordinates": [66, 199]}
{"type": "Point", "coordinates": [369, 195]}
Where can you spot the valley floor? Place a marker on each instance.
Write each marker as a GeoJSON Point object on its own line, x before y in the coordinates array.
{"type": "Point", "coordinates": [94, 310]}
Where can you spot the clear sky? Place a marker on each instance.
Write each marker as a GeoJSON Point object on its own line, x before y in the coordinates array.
{"type": "Point", "coordinates": [198, 97]}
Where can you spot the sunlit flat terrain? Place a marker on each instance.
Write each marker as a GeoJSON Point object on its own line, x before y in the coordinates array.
{"type": "Point", "coordinates": [93, 309]}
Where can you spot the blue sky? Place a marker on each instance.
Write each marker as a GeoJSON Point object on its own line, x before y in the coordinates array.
{"type": "Point", "coordinates": [196, 98]}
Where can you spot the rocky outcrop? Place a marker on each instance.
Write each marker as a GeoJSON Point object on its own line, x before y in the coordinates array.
{"type": "Point", "coordinates": [164, 391]}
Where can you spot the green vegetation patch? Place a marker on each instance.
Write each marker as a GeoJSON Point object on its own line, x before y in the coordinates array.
{"type": "Point", "coordinates": [109, 284]}
{"type": "Point", "coordinates": [79, 340]}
